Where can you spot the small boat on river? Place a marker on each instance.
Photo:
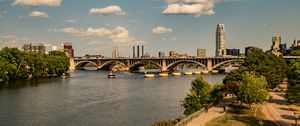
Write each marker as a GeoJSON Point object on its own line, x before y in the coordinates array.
{"type": "Point", "coordinates": [111, 75]}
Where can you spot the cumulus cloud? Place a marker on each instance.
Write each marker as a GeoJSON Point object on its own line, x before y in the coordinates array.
{"type": "Point", "coordinates": [190, 7]}
{"type": "Point", "coordinates": [118, 34]}
{"type": "Point", "coordinates": [12, 41]}
{"type": "Point", "coordinates": [161, 30]}
{"type": "Point", "coordinates": [37, 2]}
{"type": "Point", "coordinates": [71, 21]}
{"type": "Point", "coordinates": [38, 14]}
{"type": "Point", "coordinates": [114, 9]}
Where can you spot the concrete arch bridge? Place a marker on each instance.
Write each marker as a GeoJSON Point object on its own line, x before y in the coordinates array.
{"type": "Point", "coordinates": [164, 64]}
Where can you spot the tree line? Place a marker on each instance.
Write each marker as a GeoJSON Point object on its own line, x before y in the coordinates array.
{"type": "Point", "coordinates": [16, 64]}
{"type": "Point", "coordinates": [249, 83]}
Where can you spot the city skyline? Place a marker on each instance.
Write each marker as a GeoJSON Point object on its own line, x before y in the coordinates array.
{"type": "Point", "coordinates": [96, 27]}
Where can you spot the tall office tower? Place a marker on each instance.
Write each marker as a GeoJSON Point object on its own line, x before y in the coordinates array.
{"type": "Point", "coordinates": [161, 54]}
{"type": "Point", "coordinates": [275, 48]}
{"type": "Point", "coordinates": [68, 48]}
{"type": "Point", "coordinates": [201, 52]}
{"type": "Point", "coordinates": [142, 50]}
{"type": "Point", "coordinates": [220, 40]}
{"type": "Point", "coordinates": [138, 51]}
{"type": "Point", "coordinates": [133, 52]}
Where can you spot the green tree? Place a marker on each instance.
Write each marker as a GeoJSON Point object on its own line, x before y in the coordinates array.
{"type": "Point", "coordinates": [198, 97]}
{"type": "Point", "coordinates": [232, 80]}
{"type": "Point", "coordinates": [216, 93]}
{"type": "Point", "coordinates": [272, 67]}
{"type": "Point", "coordinates": [253, 89]}
{"type": "Point", "coordinates": [293, 75]}
{"type": "Point", "coordinates": [293, 94]}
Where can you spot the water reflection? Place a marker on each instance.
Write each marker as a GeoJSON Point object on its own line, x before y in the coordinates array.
{"type": "Point", "coordinates": [90, 98]}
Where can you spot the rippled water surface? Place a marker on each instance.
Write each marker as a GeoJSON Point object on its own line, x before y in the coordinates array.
{"type": "Point", "coordinates": [89, 98]}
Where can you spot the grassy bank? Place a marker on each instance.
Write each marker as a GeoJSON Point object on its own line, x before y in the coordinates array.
{"type": "Point", "coordinates": [238, 115]}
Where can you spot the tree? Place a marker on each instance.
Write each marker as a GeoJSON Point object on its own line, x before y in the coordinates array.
{"type": "Point", "coordinates": [232, 80]}
{"type": "Point", "coordinates": [293, 94]}
{"type": "Point", "coordinates": [198, 97]}
{"type": "Point", "coordinates": [216, 93]}
{"type": "Point", "coordinates": [253, 89]}
{"type": "Point", "coordinates": [293, 75]}
{"type": "Point", "coordinates": [272, 67]}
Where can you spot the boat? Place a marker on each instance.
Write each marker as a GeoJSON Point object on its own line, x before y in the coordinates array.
{"type": "Point", "coordinates": [205, 72]}
{"type": "Point", "coordinates": [188, 73]}
{"type": "Point", "coordinates": [163, 74]}
{"type": "Point", "coordinates": [64, 75]}
{"type": "Point", "coordinates": [215, 71]}
{"type": "Point", "coordinates": [149, 75]}
{"type": "Point", "coordinates": [111, 75]}
{"type": "Point", "coordinates": [197, 72]}
{"type": "Point", "coordinates": [176, 73]}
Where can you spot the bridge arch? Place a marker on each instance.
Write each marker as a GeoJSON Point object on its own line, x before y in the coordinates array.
{"type": "Point", "coordinates": [138, 64]}
{"type": "Point", "coordinates": [240, 61]}
{"type": "Point", "coordinates": [174, 64]}
{"type": "Point", "coordinates": [111, 62]}
{"type": "Point", "coordinates": [83, 63]}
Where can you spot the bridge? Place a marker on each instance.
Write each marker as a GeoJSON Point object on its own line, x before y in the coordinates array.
{"type": "Point", "coordinates": [164, 64]}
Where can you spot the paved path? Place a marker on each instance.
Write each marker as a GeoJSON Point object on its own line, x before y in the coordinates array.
{"type": "Point", "coordinates": [212, 113]}
{"type": "Point", "coordinates": [277, 111]}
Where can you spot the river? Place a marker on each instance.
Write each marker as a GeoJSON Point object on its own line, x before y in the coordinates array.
{"type": "Point", "coordinates": [89, 98]}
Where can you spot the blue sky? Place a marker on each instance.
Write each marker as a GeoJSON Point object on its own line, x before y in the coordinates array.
{"type": "Point", "coordinates": [95, 26]}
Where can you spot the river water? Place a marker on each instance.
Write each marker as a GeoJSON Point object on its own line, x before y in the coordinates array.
{"type": "Point", "coordinates": [89, 98]}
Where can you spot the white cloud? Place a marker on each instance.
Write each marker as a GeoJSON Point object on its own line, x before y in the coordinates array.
{"type": "Point", "coordinates": [39, 14]}
{"type": "Point", "coordinates": [71, 21]}
{"type": "Point", "coordinates": [37, 2]}
{"type": "Point", "coordinates": [12, 41]}
{"type": "Point", "coordinates": [161, 30]}
{"type": "Point", "coordinates": [121, 35]}
{"type": "Point", "coordinates": [114, 9]}
{"type": "Point", "coordinates": [95, 42]}
{"type": "Point", "coordinates": [191, 7]}
{"type": "Point", "coordinates": [118, 34]}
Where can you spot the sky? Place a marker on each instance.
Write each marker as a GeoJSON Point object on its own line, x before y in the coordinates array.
{"type": "Point", "coordinates": [96, 26]}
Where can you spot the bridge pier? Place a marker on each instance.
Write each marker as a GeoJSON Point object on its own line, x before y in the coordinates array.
{"type": "Point", "coordinates": [164, 66]}
{"type": "Point", "coordinates": [209, 65]}
{"type": "Point", "coordinates": [72, 64]}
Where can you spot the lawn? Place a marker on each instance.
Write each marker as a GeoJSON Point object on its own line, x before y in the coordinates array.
{"type": "Point", "coordinates": [295, 107]}
{"type": "Point", "coordinates": [238, 115]}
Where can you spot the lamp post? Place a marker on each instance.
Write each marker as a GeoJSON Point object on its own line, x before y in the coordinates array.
{"type": "Point", "coordinates": [296, 118]}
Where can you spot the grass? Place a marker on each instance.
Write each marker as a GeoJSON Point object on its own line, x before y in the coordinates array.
{"type": "Point", "coordinates": [295, 107]}
{"type": "Point", "coordinates": [238, 115]}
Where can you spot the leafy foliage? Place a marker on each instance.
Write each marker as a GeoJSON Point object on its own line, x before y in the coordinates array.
{"type": "Point", "coordinates": [15, 64]}
{"type": "Point", "coordinates": [198, 97]}
{"type": "Point", "coordinates": [166, 122]}
{"type": "Point", "coordinates": [216, 93]}
{"type": "Point", "coordinates": [293, 75]}
{"type": "Point", "coordinates": [253, 89]}
{"type": "Point", "coordinates": [273, 68]}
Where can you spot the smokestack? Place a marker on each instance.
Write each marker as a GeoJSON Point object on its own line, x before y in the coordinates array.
{"type": "Point", "coordinates": [142, 50]}
{"type": "Point", "coordinates": [133, 51]}
{"type": "Point", "coordinates": [138, 51]}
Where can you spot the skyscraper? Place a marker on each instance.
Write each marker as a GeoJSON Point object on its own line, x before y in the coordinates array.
{"type": "Point", "coordinates": [220, 40]}
{"type": "Point", "coordinates": [275, 48]}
